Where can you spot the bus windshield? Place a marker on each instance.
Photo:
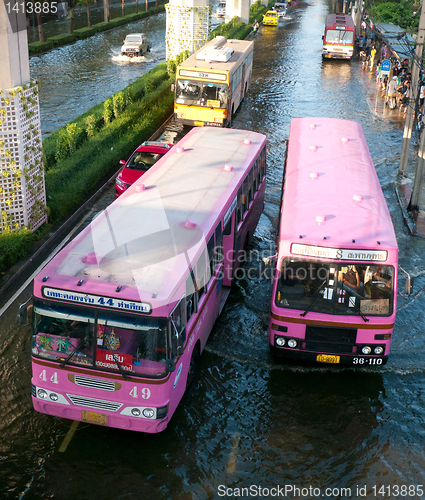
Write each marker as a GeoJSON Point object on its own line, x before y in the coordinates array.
{"type": "Point", "coordinates": [339, 36]}
{"type": "Point", "coordinates": [213, 95]}
{"type": "Point", "coordinates": [133, 345]}
{"type": "Point", "coordinates": [335, 288]}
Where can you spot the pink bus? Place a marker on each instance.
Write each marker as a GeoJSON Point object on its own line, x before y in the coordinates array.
{"type": "Point", "coordinates": [123, 312]}
{"type": "Point", "coordinates": [334, 289]}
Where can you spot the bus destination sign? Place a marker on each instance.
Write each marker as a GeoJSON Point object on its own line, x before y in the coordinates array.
{"type": "Point", "coordinates": [96, 300]}
{"type": "Point", "coordinates": [201, 74]}
{"type": "Point", "coordinates": [339, 253]}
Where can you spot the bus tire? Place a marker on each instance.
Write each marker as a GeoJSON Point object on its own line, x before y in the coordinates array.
{"type": "Point", "coordinates": [193, 366]}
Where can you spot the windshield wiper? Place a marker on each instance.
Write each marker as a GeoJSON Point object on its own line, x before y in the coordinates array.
{"type": "Point", "coordinates": [316, 299]}
{"type": "Point", "coordinates": [79, 346]}
{"type": "Point", "coordinates": [357, 307]}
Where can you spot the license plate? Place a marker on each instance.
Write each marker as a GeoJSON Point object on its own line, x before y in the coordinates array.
{"type": "Point", "coordinates": [92, 417]}
{"type": "Point", "coordinates": [199, 124]}
{"type": "Point", "coordinates": [328, 56]}
{"type": "Point", "coordinates": [324, 358]}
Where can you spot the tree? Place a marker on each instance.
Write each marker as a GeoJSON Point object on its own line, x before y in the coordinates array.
{"type": "Point", "coordinates": [72, 4]}
{"type": "Point", "coordinates": [87, 2]}
{"type": "Point", "coordinates": [40, 27]}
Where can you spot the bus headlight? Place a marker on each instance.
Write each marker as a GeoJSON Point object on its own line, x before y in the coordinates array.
{"type": "Point", "coordinates": [53, 396]}
{"type": "Point", "coordinates": [218, 120]}
{"type": "Point", "coordinates": [292, 343]}
{"type": "Point", "coordinates": [42, 394]}
{"type": "Point", "coordinates": [148, 413]}
{"type": "Point", "coordinates": [135, 412]}
{"type": "Point", "coordinates": [180, 115]}
{"type": "Point", "coordinates": [366, 349]}
{"type": "Point", "coordinates": [378, 350]}
{"type": "Point", "coordinates": [280, 341]}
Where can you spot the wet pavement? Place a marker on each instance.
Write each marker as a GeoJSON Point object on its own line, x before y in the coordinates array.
{"type": "Point", "coordinates": [249, 420]}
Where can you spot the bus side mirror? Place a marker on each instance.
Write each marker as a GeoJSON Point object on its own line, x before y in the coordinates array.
{"type": "Point", "coordinates": [170, 365]}
{"type": "Point", "coordinates": [323, 37]}
{"type": "Point", "coordinates": [23, 313]}
{"type": "Point", "coordinates": [172, 87]}
{"type": "Point", "coordinates": [408, 286]}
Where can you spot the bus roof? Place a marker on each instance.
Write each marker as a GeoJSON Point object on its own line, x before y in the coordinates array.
{"type": "Point", "coordinates": [143, 240]}
{"type": "Point", "coordinates": [219, 53]}
{"type": "Point", "coordinates": [339, 20]}
{"type": "Point", "coordinates": [332, 195]}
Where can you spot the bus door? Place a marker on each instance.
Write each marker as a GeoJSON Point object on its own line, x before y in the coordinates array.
{"type": "Point", "coordinates": [230, 102]}
{"type": "Point", "coordinates": [229, 250]}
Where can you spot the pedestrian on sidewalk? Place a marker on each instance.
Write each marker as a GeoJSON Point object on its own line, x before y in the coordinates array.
{"type": "Point", "coordinates": [372, 57]}
{"type": "Point", "coordinates": [405, 97]}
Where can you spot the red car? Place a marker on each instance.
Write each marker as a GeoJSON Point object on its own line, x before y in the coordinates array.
{"type": "Point", "coordinates": [140, 161]}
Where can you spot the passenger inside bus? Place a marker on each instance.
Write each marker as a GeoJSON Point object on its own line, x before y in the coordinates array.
{"type": "Point", "coordinates": [378, 282]}
{"type": "Point", "coordinates": [349, 277]}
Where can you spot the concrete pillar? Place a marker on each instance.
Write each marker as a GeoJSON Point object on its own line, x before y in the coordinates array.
{"type": "Point", "coordinates": [22, 190]}
{"type": "Point", "coordinates": [238, 8]}
{"type": "Point", "coordinates": [14, 61]}
{"type": "Point", "coordinates": [188, 26]}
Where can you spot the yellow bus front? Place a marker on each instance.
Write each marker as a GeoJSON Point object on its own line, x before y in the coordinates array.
{"type": "Point", "coordinates": [202, 98]}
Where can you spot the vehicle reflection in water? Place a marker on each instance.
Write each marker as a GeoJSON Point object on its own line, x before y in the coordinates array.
{"type": "Point", "coordinates": [323, 422]}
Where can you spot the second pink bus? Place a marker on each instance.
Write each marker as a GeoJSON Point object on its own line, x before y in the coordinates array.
{"type": "Point", "coordinates": [334, 291]}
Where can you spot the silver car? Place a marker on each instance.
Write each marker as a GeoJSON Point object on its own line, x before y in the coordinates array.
{"type": "Point", "coordinates": [135, 45]}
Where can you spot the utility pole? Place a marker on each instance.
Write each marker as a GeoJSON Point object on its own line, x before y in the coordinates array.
{"type": "Point", "coordinates": [419, 175]}
{"type": "Point", "coordinates": [411, 106]}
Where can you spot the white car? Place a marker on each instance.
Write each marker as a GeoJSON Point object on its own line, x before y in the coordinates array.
{"type": "Point", "coordinates": [221, 9]}
{"type": "Point", "coordinates": [280, 8]}
{"type": "Point", "coordinates": [135, 45]}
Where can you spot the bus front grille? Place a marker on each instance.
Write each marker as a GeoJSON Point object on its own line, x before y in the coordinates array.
{"type": "Point", "coordinates": [98, 404]}
{"type": "Point", "coordinates": [95, 383]}
{"type": "Point", "coordinates": [330, 340]}
{"type": "Point", "coordinates": [328, 347]}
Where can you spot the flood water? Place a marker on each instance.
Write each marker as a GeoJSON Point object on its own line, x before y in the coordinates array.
{"type": "Point", "coordinates": [249, 420]}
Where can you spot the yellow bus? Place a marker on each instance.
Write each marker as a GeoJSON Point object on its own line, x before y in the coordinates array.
{"type": "Point", "coordinates": [212, 82]}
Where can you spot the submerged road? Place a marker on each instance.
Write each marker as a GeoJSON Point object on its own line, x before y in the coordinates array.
{"type": "Point", "coordinates": [250, 421]}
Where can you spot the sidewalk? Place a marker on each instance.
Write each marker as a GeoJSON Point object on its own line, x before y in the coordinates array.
{"type": "Point", "coordinates": [415, 221]}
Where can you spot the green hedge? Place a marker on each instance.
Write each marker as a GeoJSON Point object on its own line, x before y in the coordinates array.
{"type": "Point", "coordinates": [68, 181]}
{"type": "Point", "coordinates": [38, 47]}
{"type": "Point", "coordinates": [136, 91]}
{"type": "Point", "coordinates": [101, 26]}
{"type": "Point", "coordinates": [63, 39]}
{"type": "Point", "coordinates": [85, 32]}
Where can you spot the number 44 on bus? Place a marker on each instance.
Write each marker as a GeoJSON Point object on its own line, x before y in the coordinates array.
{"type": "Point", "coordinates": [123, 312]}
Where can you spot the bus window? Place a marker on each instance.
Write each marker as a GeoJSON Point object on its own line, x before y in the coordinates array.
{"type": "Point", "coordinates": [239, 208]}
{"type": "Point", "coordinates": [219, 243]}
{"type": "Point", "coordinates": [190, 297]}
{"type": "Point", "coordinates": [201, 275]}
{"type": "Point", "coordinates": [178, 328]}
{"type": "Point", "coordinates": [211, 247]}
